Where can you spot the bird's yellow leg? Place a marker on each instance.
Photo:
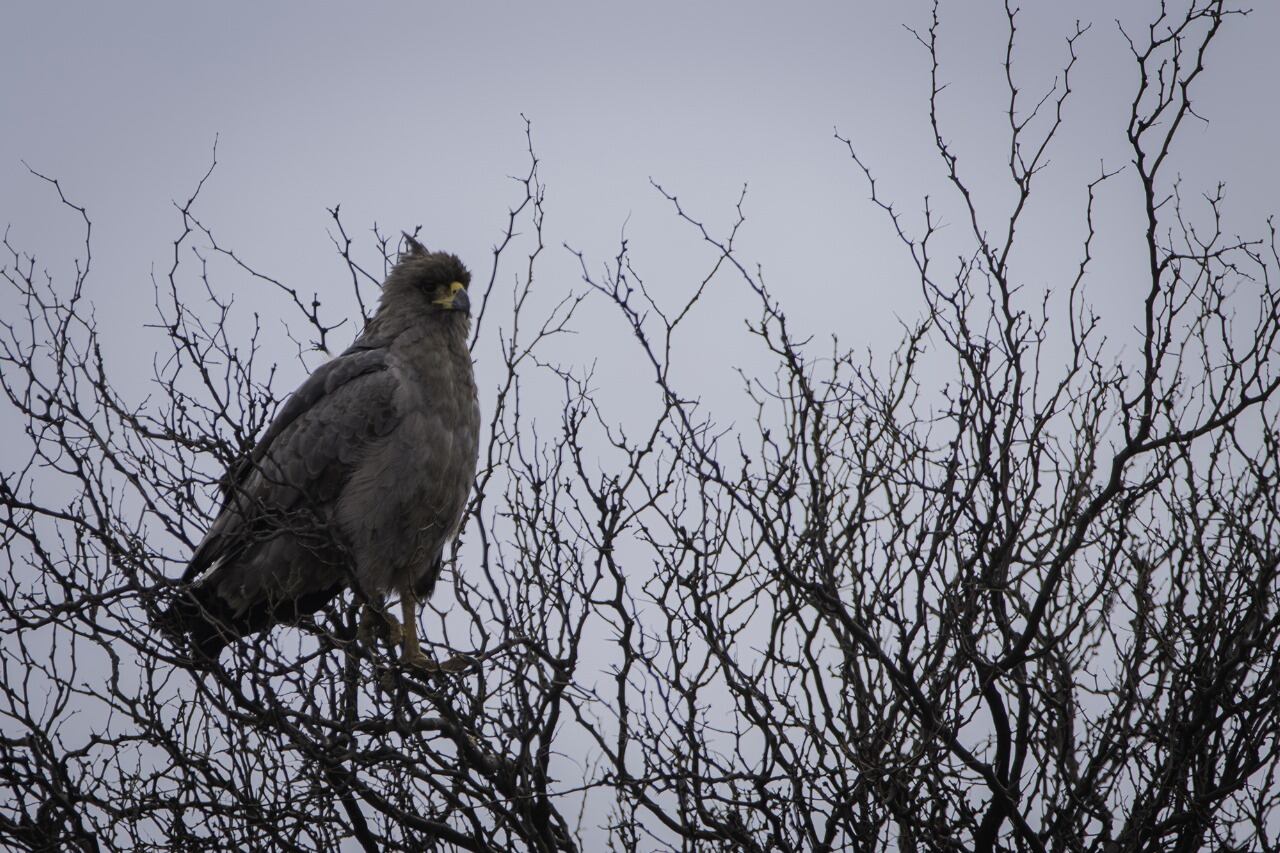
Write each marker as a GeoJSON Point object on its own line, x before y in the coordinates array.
{"type": "Point", "coordinates": [412, 655]}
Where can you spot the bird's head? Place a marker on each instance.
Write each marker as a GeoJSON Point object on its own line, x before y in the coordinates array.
{"type": "Point", "coordinates": [435, 282]}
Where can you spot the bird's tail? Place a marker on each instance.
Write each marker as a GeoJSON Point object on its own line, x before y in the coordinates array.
{"type": "Point", "coordinates": [203, 623]}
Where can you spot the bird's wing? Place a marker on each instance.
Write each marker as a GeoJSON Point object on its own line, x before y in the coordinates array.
{"type": "Point", "coordinates": [306, 455]}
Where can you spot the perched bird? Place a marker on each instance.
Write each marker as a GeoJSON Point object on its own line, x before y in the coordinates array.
{"type": "Point", "coordinates": [361, 480]}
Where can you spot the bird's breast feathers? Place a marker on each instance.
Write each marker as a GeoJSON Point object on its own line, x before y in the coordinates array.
{"type": "Point", "coordinates": [406, 494]}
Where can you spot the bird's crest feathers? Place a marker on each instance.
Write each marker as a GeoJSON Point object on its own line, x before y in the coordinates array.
{"type": "Point", "coordinates": [413, 247]}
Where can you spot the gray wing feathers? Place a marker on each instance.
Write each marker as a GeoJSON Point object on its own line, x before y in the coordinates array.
{"type": "Point", "coordinates": [307, 454]}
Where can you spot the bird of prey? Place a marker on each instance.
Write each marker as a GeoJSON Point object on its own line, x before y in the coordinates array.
{"type": "Point", "coordinates": [362, 479]}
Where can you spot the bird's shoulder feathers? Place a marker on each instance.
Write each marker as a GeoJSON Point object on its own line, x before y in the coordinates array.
{"type": "Point", "coordinates": [308, 451]}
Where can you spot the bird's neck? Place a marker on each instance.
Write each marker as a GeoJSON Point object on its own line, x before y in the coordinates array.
{"type": "Point", "coordinates": [453, 327]}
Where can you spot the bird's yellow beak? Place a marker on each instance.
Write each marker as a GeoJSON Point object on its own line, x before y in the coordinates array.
{"type": "Point", "coordinates": [457, 298]}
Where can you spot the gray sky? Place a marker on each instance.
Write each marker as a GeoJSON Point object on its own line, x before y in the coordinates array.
{"type": "Point", "coordinates": [409, 114]}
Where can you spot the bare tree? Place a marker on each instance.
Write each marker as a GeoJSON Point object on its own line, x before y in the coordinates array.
{"type": "Point", "coordinates": [1002, 589]}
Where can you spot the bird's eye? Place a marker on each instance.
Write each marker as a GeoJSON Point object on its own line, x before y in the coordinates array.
{"type": "Point", "coordinates": [445, 299]}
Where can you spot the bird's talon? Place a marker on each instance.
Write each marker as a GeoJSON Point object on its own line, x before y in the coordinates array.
{"type": "Point", "coordinates": [420, 662]}
{"type": "Point", "coordinates": [423, 663]}
{"type": "Point", "coordinates": [458, 663]}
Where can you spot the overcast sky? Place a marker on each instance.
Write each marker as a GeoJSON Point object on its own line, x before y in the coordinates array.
{"type": "Point", "coordinates": [409, 114]}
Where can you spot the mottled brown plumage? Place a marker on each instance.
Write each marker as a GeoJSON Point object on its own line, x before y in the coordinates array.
{"type": "Point", "coordinates": [362, 478]}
